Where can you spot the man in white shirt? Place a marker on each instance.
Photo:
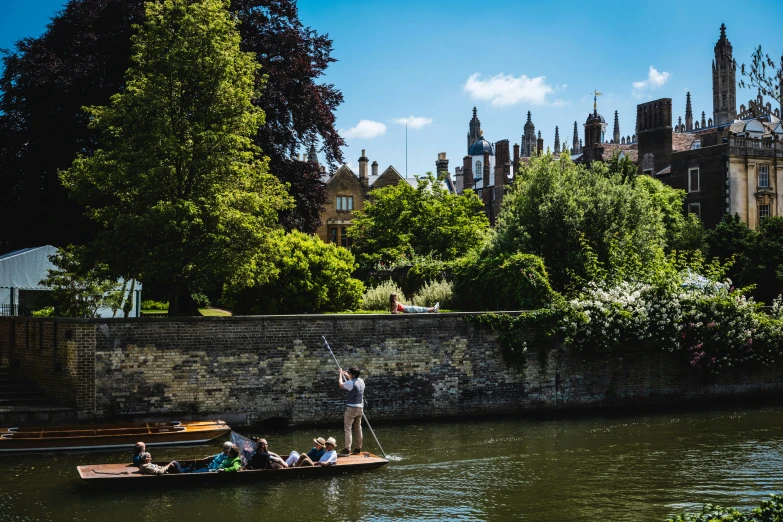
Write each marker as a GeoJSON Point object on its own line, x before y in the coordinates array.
{"type": "Point", "coordinates": [354, 407]}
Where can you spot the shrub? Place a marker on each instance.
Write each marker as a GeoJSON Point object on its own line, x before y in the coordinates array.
{"type": "Point", "coordinates": [47, 311]}
{"type": "Point", "coordinates": [149, 304]}
{"type": "Point", "coordinates": [492, 281]}
{"type": "Point", "coordinates": [310, 276]}
{"type": "Point", "coordinates": [423, 272]}
{"type": "Point", "coordinates": [377, 297]}
{"type": "Point", "coordinates": [769, 511]}
{"type": "Point", "coordinates": [202, 301]}
{"type": "Point", "coordinates": [435, 292]}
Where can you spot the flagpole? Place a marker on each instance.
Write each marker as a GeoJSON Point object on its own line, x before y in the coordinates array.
{"type": "Point", "coordinates": [406, 149]}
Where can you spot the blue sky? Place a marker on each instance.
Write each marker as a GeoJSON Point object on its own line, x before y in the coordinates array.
{"type": "Point", "coordinates": [434, 61]}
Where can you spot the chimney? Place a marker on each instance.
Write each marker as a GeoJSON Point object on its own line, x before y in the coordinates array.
{"type": "Point", "coordinates": [374, 168]}
{"type": "Point", "coordinates": [467, 173]}
{"type": "Point", "coordinates": [485, 168]}
{"type": "Point", "coordinates": [442, 166]}
{"type": "Point", "coordinates": [363, 169]}
{"type": "Point", "coordinates": [540, 144]}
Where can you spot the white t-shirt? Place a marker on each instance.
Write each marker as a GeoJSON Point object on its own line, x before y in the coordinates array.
{"type": "Point", "coordinates": [330, 457]}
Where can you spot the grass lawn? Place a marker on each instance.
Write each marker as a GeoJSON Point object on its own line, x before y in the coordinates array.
{"type": "Point", "coordinates": [207, 312]}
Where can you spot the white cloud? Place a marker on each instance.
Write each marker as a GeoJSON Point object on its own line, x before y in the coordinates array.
{"type": "Point", "coordinates": [654, 80]}
{"type": "Point", "coordinates": [506, 89]}
{"type": "Point", "coordinates": [414, 122]}
{"type": "Point", "coordinates": [366, 129]}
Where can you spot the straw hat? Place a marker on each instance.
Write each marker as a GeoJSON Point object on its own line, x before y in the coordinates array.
{"type": "Point", "coordinates": [331, 441]}
{"type": "Point", "coordinates": [320, 440]}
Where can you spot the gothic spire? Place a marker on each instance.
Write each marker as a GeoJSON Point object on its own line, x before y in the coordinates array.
{"type": "Point", "coordinates": [474, 129]}
{"type": "Point", "coordinates": [703, 120]}
{"type": "Point", "coordinates": [688, 113]}
{"type": "Point", "coordinates": [557, 141]}
{"type": "Point", "coordinates": [616, 133]}
{"type": "Point", "coordinates": [575, 145]}
{"type": "Point", "coordinates": [312, 156]}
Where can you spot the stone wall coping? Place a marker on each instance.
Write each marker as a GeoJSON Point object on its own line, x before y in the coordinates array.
{"type": "Point", "coordinates": [248, 318]}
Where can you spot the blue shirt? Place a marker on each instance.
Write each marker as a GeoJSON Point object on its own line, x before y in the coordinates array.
{"type": "Point", "coordinates": [316, 454]}
{"type": "Point", "coordinates": [219, 459]}
{"type": "Point", "coordinates": [137, 460]}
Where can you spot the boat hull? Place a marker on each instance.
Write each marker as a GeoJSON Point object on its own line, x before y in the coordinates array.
{"type": "Point", "coordinates": [84, 437]}
{"type": "Point", "coordinates": [127, 475]}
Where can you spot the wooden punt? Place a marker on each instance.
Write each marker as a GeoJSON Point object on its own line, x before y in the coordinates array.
{"type": "Point", "coordinates": [105, 436]}
{"type": "Point", "coordinates": [129, 475]}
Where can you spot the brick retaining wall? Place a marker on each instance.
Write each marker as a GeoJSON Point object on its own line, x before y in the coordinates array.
{"type": "Point", "coordinates": [248, 369]}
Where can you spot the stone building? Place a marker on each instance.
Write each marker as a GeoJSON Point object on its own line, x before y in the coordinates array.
{"type": "Point", "coordinates": [347, 192]}
{"type": "Point", "coordinates": [731, 163]}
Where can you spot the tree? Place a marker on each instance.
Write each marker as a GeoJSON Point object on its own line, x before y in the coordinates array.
{"type": "Point", "coordinates": [77, 291]}
{"type": "Point", "coordinates": [308, 276]}
{"type": "Point", "coordinates": [764, 75]}
{"type": "Point", "coordinates": [401, 222]}
{"type": "Point", "coordinates": [577, 218]}
{"type": "Point", "coordinates": [683, 232]}
{"type": "Point", "coordinates": [764, 260]}
{"type": "Point", "coordinates": [731, 238]}
{"type": "Point", "coordinates": [178, 186]}
{"type": "Point", "coordinates": [81, 61]}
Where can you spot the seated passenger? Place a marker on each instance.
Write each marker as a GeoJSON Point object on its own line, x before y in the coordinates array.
{"type": "Point", "coordinates": [138, 449]}
{"type": "Point", "coordinates": [329, 458]}
{"type": "Point", "coordinates": [212, 463]}
{"type": "Point", "coordinates": [232, 463]}
{"type": "Point", "coordinates": [296, 459]}
{"type": "Point", "coordinates": [148, 468]}
{"type": "Point", "coordinates": [265, 459]}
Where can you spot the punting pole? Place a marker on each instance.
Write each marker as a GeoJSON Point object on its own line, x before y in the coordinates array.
{"type": "Point", "coordinates": [326, 343]}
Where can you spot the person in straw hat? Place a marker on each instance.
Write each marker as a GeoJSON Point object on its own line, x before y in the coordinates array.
{"type": "Point", "coordinates": [296, 459]}
{"type": "Point", "coordinates": [329, 458]}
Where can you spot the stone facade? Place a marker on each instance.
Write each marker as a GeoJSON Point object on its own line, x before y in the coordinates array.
{"type": "Point", "coordinates": [250, 369]}
{"type": "Point", "coordinates": [346, 193]}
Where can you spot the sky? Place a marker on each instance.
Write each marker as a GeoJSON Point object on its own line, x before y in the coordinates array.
{"type": "Point", "coordinates": [430, 62]}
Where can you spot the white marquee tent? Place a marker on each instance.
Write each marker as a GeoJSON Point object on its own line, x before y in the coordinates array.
{"type": "Point", "coordinates": [21, 273]}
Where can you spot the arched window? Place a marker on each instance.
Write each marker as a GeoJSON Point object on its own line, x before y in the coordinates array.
{"type": "Point", "coordinates": [478, 169]}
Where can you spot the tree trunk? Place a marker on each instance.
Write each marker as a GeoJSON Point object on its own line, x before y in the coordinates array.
{"type": "Point", "coordinates": [180, 302]}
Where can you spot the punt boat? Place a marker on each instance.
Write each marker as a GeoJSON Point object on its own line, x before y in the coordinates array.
{"type": "Point", "coordinates": [127, 475]}
{"type": "Point", "coordinates": [106, 436]}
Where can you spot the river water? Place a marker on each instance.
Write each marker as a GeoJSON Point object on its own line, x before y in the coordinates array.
{"type": "Point", "coordinates": [588, 468]}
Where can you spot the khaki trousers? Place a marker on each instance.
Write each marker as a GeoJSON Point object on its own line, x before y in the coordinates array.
{"type": "Point", "coordinates": [353, 420]}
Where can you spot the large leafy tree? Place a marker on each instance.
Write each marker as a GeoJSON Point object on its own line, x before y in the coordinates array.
{"type": "Point", "coordinates": [402, 222]}
{"type": "Point", "coordinates": [578, 218]}
{"type": "Point", "coordinates": [177, 186]}
{"type": "Point", "coordinates": [81, 60]}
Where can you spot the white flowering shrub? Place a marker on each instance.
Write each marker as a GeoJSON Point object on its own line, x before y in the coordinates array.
{"type": "Point", "coordinates": [435, 292]}
{"type": "Point", "coordinates": [716, 326]}
{"type": "Point", "coordinates": [377, 297]}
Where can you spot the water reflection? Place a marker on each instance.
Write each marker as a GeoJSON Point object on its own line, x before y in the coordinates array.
{"type": "Point", "coordinates": [632, 468]}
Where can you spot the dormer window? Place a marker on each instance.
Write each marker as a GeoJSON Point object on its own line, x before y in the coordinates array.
{"type": "Point", "coordinates": [696, 144]}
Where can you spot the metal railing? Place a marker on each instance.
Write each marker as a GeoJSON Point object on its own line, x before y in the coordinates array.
{"type": "Point", "coordinates": [15, 310]}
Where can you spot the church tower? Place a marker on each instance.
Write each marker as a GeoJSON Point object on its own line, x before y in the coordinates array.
{"type": "Point", "coordinates": [724, 84]}
{"type": "Point", "coordinates": [557, 141]}
{"type": "Point", "coordinates": [688, 113]}
{"type": "Point", "coordinates": [529, 144]}
{"type": "Point", "coordinates": [474, 132]}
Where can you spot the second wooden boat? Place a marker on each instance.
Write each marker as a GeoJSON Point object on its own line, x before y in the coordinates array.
{"type": "Point", "coordinates": [105, 436]}
{"type": "Point", "coordinates": [129, 475]}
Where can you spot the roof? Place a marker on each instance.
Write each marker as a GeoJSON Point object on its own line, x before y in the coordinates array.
{"type": "Point", "coordinates": [594, 116]}
{"type": "Point", "coordinates": [631, 151]}
{"type": "Point", "coordinates": [25, 268]}
{"type": "Point", "coordinates": [682, 141]}
{"type": "Point", "coordinates": [480, 147]}
{"type": "Point", "coordinates": [15, 253]}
